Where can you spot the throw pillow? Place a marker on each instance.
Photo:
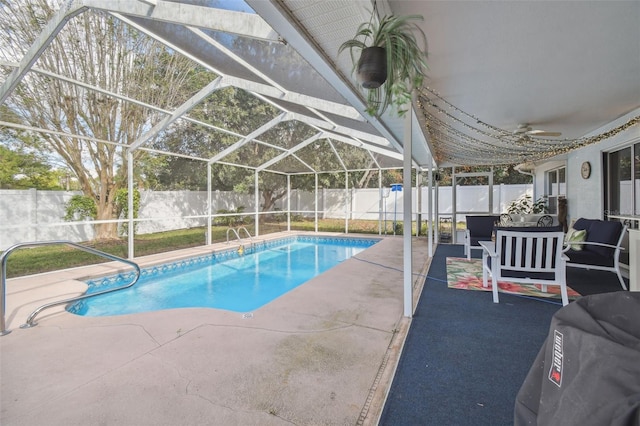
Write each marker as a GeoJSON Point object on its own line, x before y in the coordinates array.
{"type": "Point", "coordinates": [574, 236]}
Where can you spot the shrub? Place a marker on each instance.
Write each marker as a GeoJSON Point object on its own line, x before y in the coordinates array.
{"type": "Point", "coordinates": [229, 220]}
{"type": "Point", "coordinates": [81, 207]}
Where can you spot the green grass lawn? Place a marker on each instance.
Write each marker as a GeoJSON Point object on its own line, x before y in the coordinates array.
{"type": "Point", "coordinates": [34, 260]}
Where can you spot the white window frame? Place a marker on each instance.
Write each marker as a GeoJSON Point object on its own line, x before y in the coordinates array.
{"type": "Point", "coordinates": [560, 188]}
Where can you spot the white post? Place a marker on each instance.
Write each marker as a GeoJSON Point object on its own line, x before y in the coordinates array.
{"type": "Point", "coordinates": [315, 204]}
{"type": "Point", "coordinates": [491, 206]}
{"type": "Point", "coordinates": [381, 202]}
{"type": "Point", "coordinates": [436, 209]}
{"type": "Point", "coordinates": [418, 202]}
{"type": "Point", "coordinates": [346, 202]}
{"type": "Point", "coordinates": [209, 201]}
{"type": "Point", "coordinates": [130, 236]}
{"type": "Point", "coordinates": [454, 207]}
{"type": "Point", "coordinates": [407, 252]}
{"type": "Point", "coordinates": [430, 212]}
{"type": "Point", "coordinates": [288, 202]}
{"type": "Point", "coordinates": [257, 204]}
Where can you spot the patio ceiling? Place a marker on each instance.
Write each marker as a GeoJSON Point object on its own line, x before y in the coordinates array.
{"type": "Point", "coordinates": [562, 66]}
{"type": "Point", "coordinates": [569, 67]}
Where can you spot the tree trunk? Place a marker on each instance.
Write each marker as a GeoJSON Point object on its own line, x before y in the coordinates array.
{"type": "Point", "coordinates": [270, 197]}
{"type": "Point", "coordinates": [106, 231]}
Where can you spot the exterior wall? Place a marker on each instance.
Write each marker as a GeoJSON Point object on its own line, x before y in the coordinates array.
{"type": "Point", "coordinates": [585, 197]}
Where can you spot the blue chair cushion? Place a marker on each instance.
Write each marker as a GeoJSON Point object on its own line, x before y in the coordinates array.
{"type": "Point", "coordinates": [520, 274]}
{"type": "Point", "coordinates": [481, 227]}
{"type": "Point", "coordinates": [605, 232]}
{"type": "Point", "coordinates": [583, 223]}
{"type": "Point", "coordinates": [586, 257]}
{"type": "Point", "coordinates": [533, 275]}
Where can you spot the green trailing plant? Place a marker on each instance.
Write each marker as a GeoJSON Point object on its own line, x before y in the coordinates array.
{"type": "Point", "coordinates": [406, 63]}
{"type": "Point", "coordinates": [81, 207]}
{"type": "Point", "coordinates": [526, 205]}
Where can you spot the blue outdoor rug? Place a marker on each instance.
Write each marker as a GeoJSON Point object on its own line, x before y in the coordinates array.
{"type": "Point", "coordinates": [465, 357]}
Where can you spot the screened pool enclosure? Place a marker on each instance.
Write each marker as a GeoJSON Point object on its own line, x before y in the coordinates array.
{"type": "Point", "coordinates": [128, 93]}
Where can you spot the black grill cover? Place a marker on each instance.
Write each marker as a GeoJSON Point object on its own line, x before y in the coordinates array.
{"type": "Point", "coordinates": [588, 370]}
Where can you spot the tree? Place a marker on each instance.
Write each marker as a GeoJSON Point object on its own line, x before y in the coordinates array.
{"type": "Point", "coordinates": [24, 170]}
{"type": "Point", "coordinates": [233, 109]}
{"type": "Point", "coordinates": [240, 112]}
{"type": "Point", "coordinates": [99, 50]}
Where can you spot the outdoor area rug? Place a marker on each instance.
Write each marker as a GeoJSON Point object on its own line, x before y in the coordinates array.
{"type": "Point", "coordinates": [467, 275]}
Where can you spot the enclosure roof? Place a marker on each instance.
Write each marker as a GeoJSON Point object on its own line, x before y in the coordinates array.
{"type": "Point", "coordinates": [496, 71]}
{"type": "Point", "coordinates": [240, 50]}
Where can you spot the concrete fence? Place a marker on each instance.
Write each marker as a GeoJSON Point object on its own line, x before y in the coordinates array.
{"type": "Point", "coordinates": [32, 215]}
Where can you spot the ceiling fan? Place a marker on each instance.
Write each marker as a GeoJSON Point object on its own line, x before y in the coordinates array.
{"type": "Point", "coordinates": [526, 130]}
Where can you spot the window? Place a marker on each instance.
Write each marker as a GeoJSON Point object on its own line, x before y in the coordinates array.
{"type": "Point", "coordinates": [556, 186]}
{"type": "Point", "coordinates": [623, 181]}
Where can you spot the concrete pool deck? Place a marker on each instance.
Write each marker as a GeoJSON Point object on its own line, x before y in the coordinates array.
{"type": "Point", "coordinates": [322, 354]}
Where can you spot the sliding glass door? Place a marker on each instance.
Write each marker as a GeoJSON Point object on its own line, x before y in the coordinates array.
{"type": "Point", "coordinates": [622, 189]}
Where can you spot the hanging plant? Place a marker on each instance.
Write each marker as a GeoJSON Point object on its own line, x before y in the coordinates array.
{"type": "Point", "coordinates": [390, 62]}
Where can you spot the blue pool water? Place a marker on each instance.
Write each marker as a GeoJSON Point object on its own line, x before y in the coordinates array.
{"type": "Point", "coordinates": [229, 280]}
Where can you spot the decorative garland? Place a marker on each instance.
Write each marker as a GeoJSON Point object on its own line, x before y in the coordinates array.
{"type": "Point", "coordinates": [484, 144]}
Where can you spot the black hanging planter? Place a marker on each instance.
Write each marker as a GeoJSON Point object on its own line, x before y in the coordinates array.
{"type": "Point", "coordinates": [372, 67]}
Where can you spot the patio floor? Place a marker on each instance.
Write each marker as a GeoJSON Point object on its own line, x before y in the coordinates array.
{"type": "Point", "coordinates": [323, 354]}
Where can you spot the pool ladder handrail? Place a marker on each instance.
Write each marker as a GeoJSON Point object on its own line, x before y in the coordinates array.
{"type": "Point", "coordinates": [237, 234]}
{"type": "Point", "coordinates": [243, 228]}
{"type": "Point", "coordinates": [30, 320]}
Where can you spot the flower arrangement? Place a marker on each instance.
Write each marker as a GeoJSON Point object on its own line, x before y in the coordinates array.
{"type": "Point", "coordinates": [526, 205]}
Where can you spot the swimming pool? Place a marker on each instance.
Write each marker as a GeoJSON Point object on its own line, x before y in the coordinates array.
{"type": "Point", "coordinates": [239, 281]}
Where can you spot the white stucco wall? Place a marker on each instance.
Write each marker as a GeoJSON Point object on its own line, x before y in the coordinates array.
{"type": "Point", "coordinates": [585, 197]}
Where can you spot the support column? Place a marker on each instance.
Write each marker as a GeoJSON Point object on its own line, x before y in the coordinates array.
{"type": "Point", "coordinates": [346, 202]}
{"type": "Point", "coordinates": [380, 202]}
{"type": "Point", "coordinates": [209, 201]}
{"type": "Point", "coordinates": [454, 207]}
{"type": "Point", "coordinates": [491, 206]}
{"type": "Point", "coordinates": [256, 196]}
{"type": "Point", "coordinates": [436, 210]}
{"type": "Point", "coordinates": [288, 203]}
{"type": "Point", "coordinates": [407, 251]}
{"type": "Point", "coordinates": [430, 213]}
{"type": "Point", "coordinates": [418, 202]}
{"type": "Point", "coordinates": [130, 236]}
{"type": "Point", "coordinates": [315, 204]}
